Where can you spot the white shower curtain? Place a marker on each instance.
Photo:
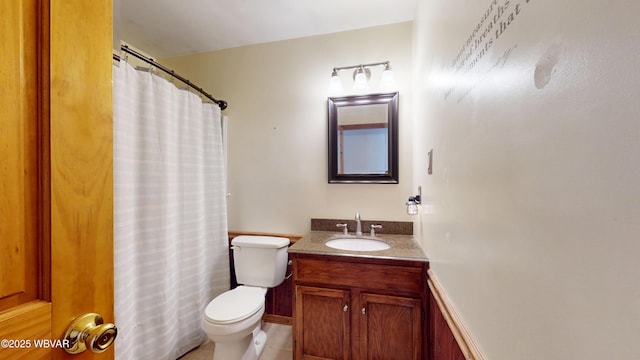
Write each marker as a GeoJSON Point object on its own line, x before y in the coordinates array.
{"type": "Point", "coordinates": [171, 251]}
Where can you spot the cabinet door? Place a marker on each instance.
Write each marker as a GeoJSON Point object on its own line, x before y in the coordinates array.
{"type": "Point", "coordinates": [390, 327]}
{"type": "Point", "coordinates": [322, 323]}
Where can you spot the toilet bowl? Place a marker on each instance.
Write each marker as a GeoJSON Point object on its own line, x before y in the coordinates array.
{"type": "Point", "coordinates": [233, 322]}
{"type": "Point", "coordinates": [233, 319]}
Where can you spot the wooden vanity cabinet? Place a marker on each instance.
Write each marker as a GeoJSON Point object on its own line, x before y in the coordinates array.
{"type": "Point", "coordinates": [359, 308]}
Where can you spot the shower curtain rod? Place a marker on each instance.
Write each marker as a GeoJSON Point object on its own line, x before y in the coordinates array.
{"type": "Point", "coordinates": [223, 104]}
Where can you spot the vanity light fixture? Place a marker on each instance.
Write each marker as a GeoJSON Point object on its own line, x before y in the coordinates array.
{"type": "Point", "coordinates": [413, 202]}
{"type": "Point", "coordinates": [361, 76]}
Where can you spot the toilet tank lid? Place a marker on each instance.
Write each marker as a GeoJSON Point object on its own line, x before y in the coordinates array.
{"type": "Point", "coordinates": [260, 241]}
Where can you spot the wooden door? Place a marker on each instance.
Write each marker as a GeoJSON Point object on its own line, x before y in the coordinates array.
{"type": "Point", "coordinates": [56, 187]}
{"type": "Point", "coordinates": [390, 327]}
{"type": "Point", "coordinates": [322, 323]}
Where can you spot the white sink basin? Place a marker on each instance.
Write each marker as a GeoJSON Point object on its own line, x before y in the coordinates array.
{"type": "Point", "coordinates": [357, 244]}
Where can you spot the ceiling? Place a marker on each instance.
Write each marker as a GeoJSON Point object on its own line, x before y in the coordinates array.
{"type": "Point", "coordinates": [165, 28]}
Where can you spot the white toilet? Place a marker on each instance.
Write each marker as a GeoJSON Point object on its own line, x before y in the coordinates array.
{"type": "Point", "coordinates": [233, 319]}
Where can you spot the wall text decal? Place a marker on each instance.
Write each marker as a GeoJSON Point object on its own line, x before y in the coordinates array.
{"type": "Point", "coordinates": [493, 24]}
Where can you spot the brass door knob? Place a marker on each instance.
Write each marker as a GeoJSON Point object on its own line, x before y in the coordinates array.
{"type": "Point", "coordinates": [89, 331]}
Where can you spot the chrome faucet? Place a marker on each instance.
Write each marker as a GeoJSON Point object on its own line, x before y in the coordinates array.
{"type": "Point", "coordinates": [358, 225]}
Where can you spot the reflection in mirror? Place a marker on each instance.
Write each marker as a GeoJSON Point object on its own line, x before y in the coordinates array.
{"type": "Point", "coordinates": [363, 139]}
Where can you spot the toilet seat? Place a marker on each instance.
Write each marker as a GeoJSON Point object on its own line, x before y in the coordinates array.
{"type": "Point", "coordinates": [235, 305]}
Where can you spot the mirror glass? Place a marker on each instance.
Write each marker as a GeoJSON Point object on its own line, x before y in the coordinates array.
{"type": "Point", "coordinates": [363, 139]}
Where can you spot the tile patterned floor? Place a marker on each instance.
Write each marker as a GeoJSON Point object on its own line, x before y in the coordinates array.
{"type": "Point", "coordinates": [279, 345]}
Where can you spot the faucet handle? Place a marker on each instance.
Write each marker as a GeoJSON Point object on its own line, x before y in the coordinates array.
{"type": "Point", "coordinates": [373, 229]}
{"type": "Point", "coordinates": [344, 228]}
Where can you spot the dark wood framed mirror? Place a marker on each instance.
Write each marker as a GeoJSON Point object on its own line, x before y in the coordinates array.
{"type": "Point", "coordinates": [363, 139]}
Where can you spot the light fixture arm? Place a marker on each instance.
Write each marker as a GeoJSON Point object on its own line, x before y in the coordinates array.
{"type": "Point", "coordinates": [385, 63]}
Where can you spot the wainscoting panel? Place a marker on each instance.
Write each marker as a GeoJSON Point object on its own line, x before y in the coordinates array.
{"type": "Point", "coordinates": [448, 338]}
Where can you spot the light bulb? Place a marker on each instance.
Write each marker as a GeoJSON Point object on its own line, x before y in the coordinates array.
{"type": "Point", "coordinates": [360, 82]}
{"type": "Point", "coordinates": [335, 84]}
{"type": "Point", "coordinates": [412, 206]}
{"type": "Point", "coordinates": [412, 209]}
{"type": "Point", "coordinates": [387, 81]}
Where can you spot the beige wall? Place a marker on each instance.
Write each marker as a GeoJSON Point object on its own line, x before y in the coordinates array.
{"type": "Point", "coordinates": [533, 226]}
{"type": "Point", "coordinates": [277, 135]}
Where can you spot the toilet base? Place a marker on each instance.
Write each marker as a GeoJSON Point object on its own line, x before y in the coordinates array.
{"type": "Point", "coordinates": [249, 347]}
{"type": "Point", "coordinates": [259, 341]}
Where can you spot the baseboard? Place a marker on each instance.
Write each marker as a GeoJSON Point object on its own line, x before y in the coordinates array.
{"type": "Point", "coordinates": [277, 319]}
{"type": "Point", "coordinates": [460, 332]}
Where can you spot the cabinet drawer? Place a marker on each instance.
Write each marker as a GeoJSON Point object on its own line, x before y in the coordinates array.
{"type": "Point", "coordinates": [393, 278]}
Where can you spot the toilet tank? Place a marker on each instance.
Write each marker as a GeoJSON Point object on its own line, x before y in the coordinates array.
{"type": "Point", "coordinates": [260, 260]}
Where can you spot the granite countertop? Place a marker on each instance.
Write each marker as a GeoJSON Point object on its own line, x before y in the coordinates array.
{"type": "Point", "coordinates": [403, 247]}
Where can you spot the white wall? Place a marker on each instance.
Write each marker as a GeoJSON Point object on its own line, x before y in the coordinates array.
{"type": "Point", "coordinates": [533, 227]}
{"type": "Point", "coordinates": [278, 126]}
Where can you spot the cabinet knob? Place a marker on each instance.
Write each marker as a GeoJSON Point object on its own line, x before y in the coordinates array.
{"type": "Point", "coordinates": [364, 311]}
{"type": "Point", "coordinates": [345, 308]}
